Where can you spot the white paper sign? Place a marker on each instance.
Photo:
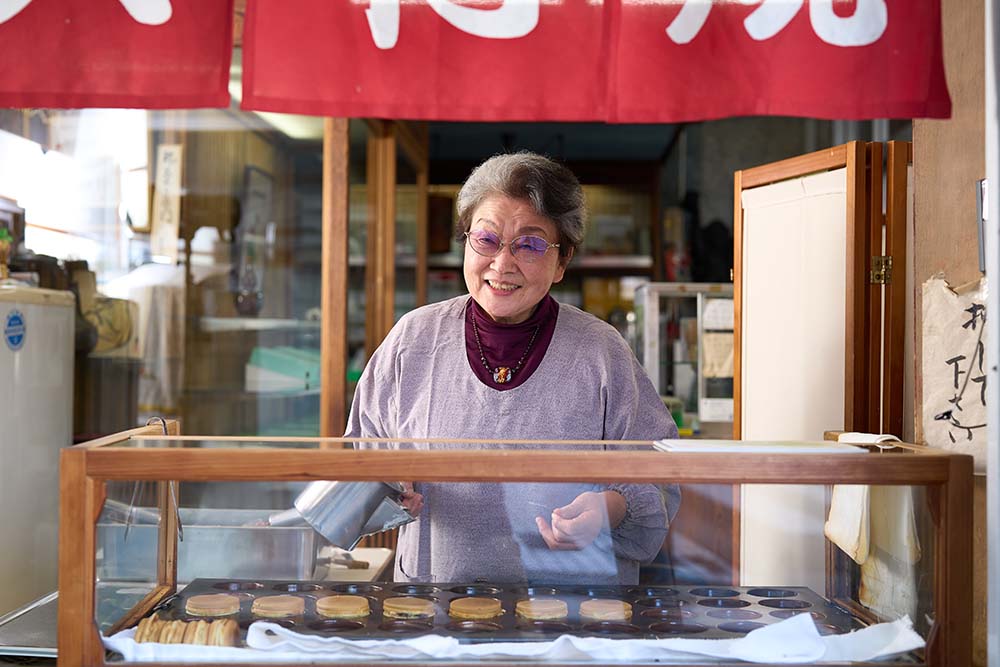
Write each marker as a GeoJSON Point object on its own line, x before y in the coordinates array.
{"type": "Point", "coordinates": [717, 355]}
{"type": "Point", "coordinates": [166, 202]}
{"type": "Point", "coordinates": [954, 369]}
{"type": "Point", "coordinates": [718, 315]}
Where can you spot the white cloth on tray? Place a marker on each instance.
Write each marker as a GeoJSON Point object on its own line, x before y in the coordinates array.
{"type": "Point", "coordinates": [794, 640]}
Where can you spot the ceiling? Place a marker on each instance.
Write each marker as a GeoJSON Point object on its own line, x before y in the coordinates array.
{"type": "Point", "coordinates": [564, 141]}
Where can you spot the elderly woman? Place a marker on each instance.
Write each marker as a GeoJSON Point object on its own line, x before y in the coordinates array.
{"type": "Point", "coordinates": [509, 362]}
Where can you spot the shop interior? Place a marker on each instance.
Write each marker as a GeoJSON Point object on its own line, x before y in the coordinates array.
{"type": "Point", "coordinates": [218, 325]}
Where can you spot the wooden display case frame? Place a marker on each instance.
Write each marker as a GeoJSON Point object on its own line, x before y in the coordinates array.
{"type": "Point", "coordinates": [86, 469]}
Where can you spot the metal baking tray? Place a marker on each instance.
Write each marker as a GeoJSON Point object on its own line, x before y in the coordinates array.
{"type": "Point", "coordinates": [216, 543]}
{"type": "Point", "coordinates": [657, 611]}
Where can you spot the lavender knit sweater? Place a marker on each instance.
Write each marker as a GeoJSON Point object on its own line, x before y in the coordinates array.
{"type": "Point", "coordinates": [589, 386]}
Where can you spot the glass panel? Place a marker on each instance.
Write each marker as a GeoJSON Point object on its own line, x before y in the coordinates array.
{"type": "Point", "coordinates": [126, 542]}
{"type": "Point", "coordinates": [619, 221]}
{"type": "Point", "coordinates": [192, 240]}
{"type": "Point", "coordinates": [407, 201]}
{"type": "Point", "coordinates": [531, 561]}
{"type": "Point", "coordinates": [445, 253]}
{"type": "Point", "coordinates": [682, 334]}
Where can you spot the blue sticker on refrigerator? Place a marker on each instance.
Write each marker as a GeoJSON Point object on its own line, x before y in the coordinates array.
{"type": "Point", "coordinates": [14, 330]}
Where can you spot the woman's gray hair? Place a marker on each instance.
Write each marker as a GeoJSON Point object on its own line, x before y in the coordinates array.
{"type": "Point", "coordinates": [551, 189]}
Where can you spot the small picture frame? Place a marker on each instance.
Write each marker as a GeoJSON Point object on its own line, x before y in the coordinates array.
{"type": "Point", "coordinates": [251, 240]}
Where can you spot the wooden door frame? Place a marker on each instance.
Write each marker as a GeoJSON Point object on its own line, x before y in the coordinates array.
{"type": "Point", "coordinates": [899, 158]}
{"type": "Point", "coordinates": [859, 365]}
{"type": "Point", "coordinates": [875, 224]}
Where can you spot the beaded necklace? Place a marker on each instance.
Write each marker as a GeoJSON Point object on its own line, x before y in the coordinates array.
{"type": "Point", "coordinates": [502, 374]}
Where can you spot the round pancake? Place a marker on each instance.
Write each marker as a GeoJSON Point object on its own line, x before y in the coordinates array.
{"type": "Point", "coordinates": [606, 610]}
{"type": "Point", "coordinates": [278, 606]}
{"type": "Point", "coordinates": [142, 630]}
{"type": "Point", "coordinates": [343, 606]}
{"type": "Point", "coordinates": [217, 604]}
{"type": "Point", "coordinates": [223, 632]}
{"type": "Point", "coordinates": [174, 633]}
{"type": "Point", "coordinates": [541, 609]}
{"type": "Point", "coordinates": [474, 608]}
{"type": "Point", "coordinates": [196, 633]}
{"type": "Point", "coordinates": [407, 607]}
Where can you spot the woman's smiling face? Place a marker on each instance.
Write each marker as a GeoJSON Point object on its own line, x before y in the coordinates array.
{"type": "Point", "coordinates": [506, 287]}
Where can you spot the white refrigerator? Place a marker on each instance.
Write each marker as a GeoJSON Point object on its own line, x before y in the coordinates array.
{"type": "Point", "coordinates": [36, 421]}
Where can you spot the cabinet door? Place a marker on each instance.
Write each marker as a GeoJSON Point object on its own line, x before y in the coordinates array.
{"type": "Point", "coordinates": [803, 362]}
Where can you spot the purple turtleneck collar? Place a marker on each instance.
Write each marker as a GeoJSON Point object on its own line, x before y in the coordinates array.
{"type": "Point", "coordinates": [504, 344]}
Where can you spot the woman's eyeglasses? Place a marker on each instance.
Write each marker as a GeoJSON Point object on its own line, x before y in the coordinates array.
{"type": "Point", "coordinates": [525, 248]}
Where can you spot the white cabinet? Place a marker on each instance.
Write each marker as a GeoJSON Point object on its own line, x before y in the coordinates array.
{"type": "Point", "coordinates": [36, 377]}
{"type": "Point", "coordinates": [684, 340]}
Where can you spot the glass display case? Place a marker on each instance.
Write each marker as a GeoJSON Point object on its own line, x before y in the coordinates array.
{"type": "Point", "coordinates": [684, 340]}
{"type": "Point", "coordinates": [489, 569]}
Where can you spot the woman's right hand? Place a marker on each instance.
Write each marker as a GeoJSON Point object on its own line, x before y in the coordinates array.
{"type": "Point", "coordinates": [411, 500]}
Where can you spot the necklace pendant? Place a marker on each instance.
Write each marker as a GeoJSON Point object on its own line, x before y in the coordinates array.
{"type": "Point", "coordinates": [502, 375]}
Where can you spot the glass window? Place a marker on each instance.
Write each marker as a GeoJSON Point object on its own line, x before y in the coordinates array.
{"type": "Point", "coordinates": [192, 240]}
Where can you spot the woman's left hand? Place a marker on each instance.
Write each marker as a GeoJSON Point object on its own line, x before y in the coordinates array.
{"type": "Point", "coordinates": [576, 525]}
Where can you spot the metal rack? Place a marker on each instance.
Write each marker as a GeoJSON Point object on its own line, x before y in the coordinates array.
{"type": "Point", "coordinates": [659, 353]}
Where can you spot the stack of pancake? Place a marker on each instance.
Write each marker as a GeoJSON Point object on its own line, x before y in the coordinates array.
{"type": "Point", "coordinates": [222, 632]}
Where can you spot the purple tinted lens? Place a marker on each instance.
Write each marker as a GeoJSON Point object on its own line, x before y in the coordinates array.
{"type": "Point", "coordinates": [530, 245]}
{"type": "Point", "coordinates": [485, 242]}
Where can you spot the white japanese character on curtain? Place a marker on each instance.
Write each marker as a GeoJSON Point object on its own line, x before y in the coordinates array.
{"type": "Point", "coordinates": [147, 12]}
{"type": "Point", "coordinates": [512, 19]}
{"type": "Point", "coordinates": [863, 27]}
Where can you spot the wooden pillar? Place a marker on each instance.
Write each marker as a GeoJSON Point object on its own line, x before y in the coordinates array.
{"type": "Point", "coordinates": [950, 642]}
{"type": "Point", "coordinates": [896, 294]}
{"type": "Point", "coordinates": [380, 276]}
{"type": "Point", "coordinates": [78, 641]}
{"type": "Point", "coordinates": [333, 302]}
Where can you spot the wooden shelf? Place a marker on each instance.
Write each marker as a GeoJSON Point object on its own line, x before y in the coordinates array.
{"type": "Point", "coordinates": [227, 324]}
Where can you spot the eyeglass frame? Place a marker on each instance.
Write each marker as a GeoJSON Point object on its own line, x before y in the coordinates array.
{"type": "Point", "coordinates": [510, 245]}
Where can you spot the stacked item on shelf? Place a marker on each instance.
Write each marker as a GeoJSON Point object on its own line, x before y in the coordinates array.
{"type": "Point", "coordinates": [283, 368]}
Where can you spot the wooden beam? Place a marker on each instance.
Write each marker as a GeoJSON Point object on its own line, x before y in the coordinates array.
{"type": "Point", "coordinates": [80, 501]}
{"type": "Point", "coordinates": [896, 292]}
{"type": "Point", "coordinates": [413, 140]}
{"type": "Point", "coordinates": [738, 187]}
{"type": "Point", "coordinates": [380, 272]}
{"type": "Point", "coordinates": [334, 279]}
{"type": "Point", "coordinates": [802, 165]}
{"type": "Point", "coordinates": [950, 640]}
{"type": "Point", "coordinates": [168, 495]}
{"type": "Point", "coordinates": [191, 464]}
{"type": "Point", "coordinates": [856, 263]}
{"type": "Point", "coordinates": [875, 224]}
